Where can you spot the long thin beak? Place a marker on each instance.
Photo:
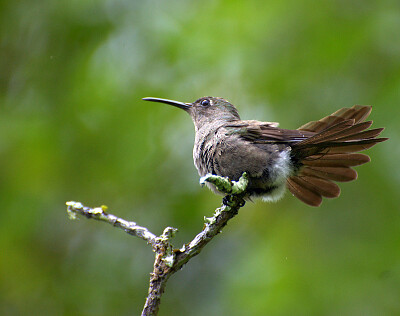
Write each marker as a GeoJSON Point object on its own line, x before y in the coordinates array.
{"type": "Point", "coordinates": [181, 105]}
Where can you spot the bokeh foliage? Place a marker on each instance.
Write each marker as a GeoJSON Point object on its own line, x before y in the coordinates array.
{"type": "Point", "coordinates": [73, 127]}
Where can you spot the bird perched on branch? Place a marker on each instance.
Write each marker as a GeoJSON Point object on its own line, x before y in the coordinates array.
{"type": "Point", "coordinates": [308, 160]}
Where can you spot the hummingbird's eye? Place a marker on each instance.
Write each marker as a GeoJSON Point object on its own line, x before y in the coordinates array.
{"type": "Point", "coordinates": [205, 102]}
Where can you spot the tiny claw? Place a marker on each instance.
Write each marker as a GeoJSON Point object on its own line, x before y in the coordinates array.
{"type": "Point", "coordinates": [226, 200]}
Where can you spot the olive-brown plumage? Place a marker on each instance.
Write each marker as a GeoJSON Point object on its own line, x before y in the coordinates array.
{"type": "Point", "coordinates": [308, 160]}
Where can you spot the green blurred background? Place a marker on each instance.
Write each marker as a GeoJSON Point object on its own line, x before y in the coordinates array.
{"type": "Point", "coordinates": [73, 127]}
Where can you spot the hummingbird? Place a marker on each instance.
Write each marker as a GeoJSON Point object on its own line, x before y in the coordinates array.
{"type": "Point", "coordinates": [308, 160]}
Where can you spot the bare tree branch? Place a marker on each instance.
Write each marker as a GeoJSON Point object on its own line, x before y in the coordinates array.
{"type": "Point", "coordinates": [167, 259]}
{"type": "Point", "coordinates": [99, 213]}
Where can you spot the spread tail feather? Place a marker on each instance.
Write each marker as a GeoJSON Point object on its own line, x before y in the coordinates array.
{"type": "Point", "coordinates": [330, 153]}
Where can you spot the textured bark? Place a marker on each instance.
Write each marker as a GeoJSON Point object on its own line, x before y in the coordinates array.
{"type": "Point", "coordinates": [158, 280]}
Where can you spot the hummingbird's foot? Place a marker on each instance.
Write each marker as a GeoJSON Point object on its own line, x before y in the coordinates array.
{"type": "Point", "coordinates": [226, 200]}
{"type": "Point", "coordinates": [230, 200]}
{"type": "Point", "coordinates": [225, 185]}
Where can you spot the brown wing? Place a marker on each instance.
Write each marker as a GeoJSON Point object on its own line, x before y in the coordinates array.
{"type": "Point", "coordinates": [265, 132]}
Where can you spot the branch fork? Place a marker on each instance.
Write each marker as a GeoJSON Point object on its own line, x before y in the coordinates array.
{"type": "Point", "coordinates": [169, 260]}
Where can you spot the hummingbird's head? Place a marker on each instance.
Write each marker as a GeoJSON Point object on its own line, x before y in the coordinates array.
{"type": "Point", "coordinates": [205, 110]}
